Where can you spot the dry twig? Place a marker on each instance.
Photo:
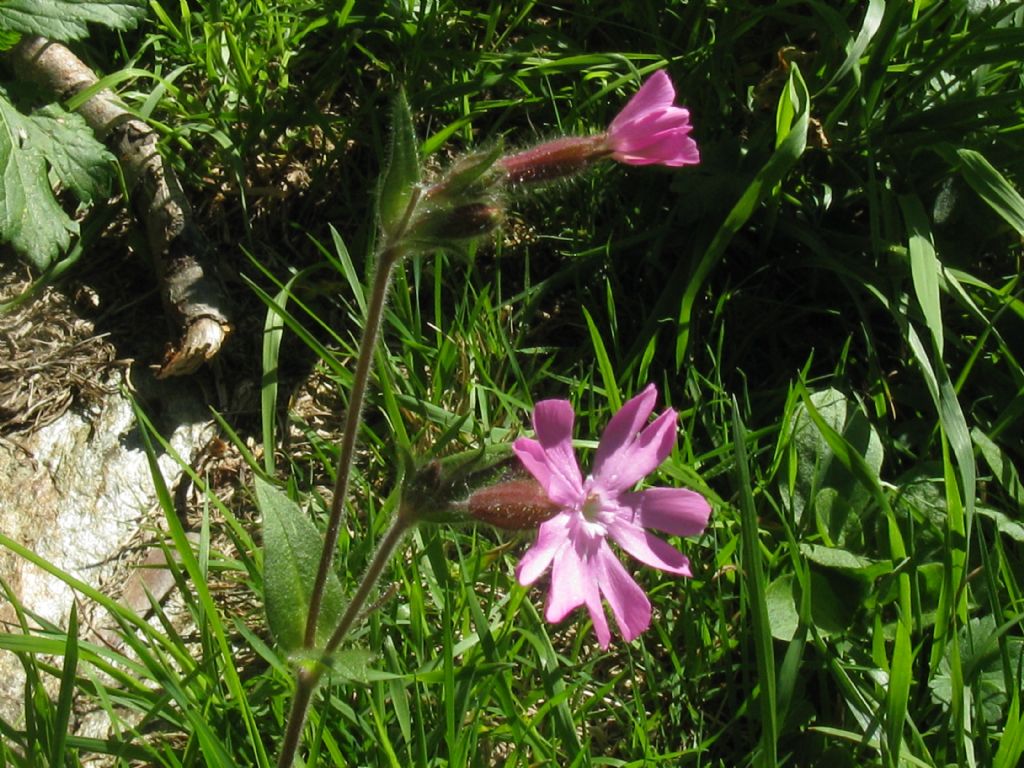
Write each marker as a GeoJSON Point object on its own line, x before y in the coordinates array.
{"type": "Point", "coordinates": [184, 257]}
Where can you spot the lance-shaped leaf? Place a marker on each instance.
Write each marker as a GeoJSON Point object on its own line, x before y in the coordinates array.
{"type": "Point", "coordinates": [291, 556]}
{"type": "Point", "coordinates": [402, 172]}
{"type": "Point", "coordinates": [68, 19]}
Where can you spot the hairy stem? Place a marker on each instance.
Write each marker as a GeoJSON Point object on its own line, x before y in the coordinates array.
{"type": "Point", "coordinates": [306, 685]}
{"type": "Point", "coordinates": [399, 527]}
{"type": "Point", "coordinates": [308, 677]}
{"type": "Point", "coordinates": [353, 416]}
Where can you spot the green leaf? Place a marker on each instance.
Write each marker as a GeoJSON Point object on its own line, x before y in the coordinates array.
{"type": "Point", "coordinates": [982, 646]}
{"type": "Point", "coordinates": [755, 582]}
{"type": "Point", "coordinates": [855, 50]}
{"type": "Point", "coordinates": [823, 486]}
{"type": "Point", "coordinates": [925, 267]}
{"type": "Point", "coordinates": [834, 601]}
{"type": "Point", "coordinates": [351, 664]}
{"type": "Point", "coordinates": [898, 691]}
{"type": "Point", "coordinates": [402, 173]}
{"type": "Point", "coordinates": [842, 559]}
{"type": "Point", "coordinates": [78, 159]}
{"type": "Point", "coordinates": [62, 715]}
{"type": "Point", "coordinates": [1003, 470]}
{"type": "Point", "coordinates": [31, 219]}
{"type": "Point", "coordinates": [993, 188]}
{"type": "Point", "coordinates": [291, 557]}
{"type": "Point", "coordinates": [68, 19]}
{"type": "Point", "coordinates": [1011, 745]}
{"type": "Point", "coordinates": [604, 363]}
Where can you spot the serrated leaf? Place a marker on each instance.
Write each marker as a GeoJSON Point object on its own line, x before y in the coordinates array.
{"type": "Point", "coordinates": [69, 19]}
{"type": "Point", "coordinates": [77, 157]}
{"type": "Point", "coordinates": [291, 557]}
{"type": "Point", "coordinates": [402, 172]}
{"type": "Point", "coordinates": [31, 220]}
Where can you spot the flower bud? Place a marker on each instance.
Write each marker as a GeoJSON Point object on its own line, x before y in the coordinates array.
{"type": "Point", "coordinates": [513, 504]}
{"type": "Point", "coordinates": [553, 160]}
{"type": "Point", "coordinates": [489, 486]}
{"type": "Point", "coordinates": [469, 177]}
{"type": "Point", "coordinates": [438, 227]}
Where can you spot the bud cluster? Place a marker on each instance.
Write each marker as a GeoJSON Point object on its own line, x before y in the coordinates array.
{"type": "Point", "coordinates": [463, 205]}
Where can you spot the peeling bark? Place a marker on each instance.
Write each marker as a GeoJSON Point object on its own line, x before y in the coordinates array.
{"type": "Point", "coordinates": [184, 258]}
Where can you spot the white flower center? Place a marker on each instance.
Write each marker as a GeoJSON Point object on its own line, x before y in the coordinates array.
{"type": "Point", "coordinates": [592, 507]}
{"type": "Point", "coordinates": [593, 512]}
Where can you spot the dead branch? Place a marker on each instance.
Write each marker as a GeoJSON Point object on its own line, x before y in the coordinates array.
{"type": "Point", "coordinates": [183, 256]}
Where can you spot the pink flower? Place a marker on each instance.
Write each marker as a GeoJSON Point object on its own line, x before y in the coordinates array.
{"type": "Point", "coordinates": [650, 130]}
{"type": "Point", "coordinates": [574, 542]}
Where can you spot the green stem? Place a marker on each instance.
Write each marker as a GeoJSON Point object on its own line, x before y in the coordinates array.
{"type": "Point", "coordinates": [308, 677]}
{"type": "Point", "coordinates": [374, 313]}
{"type": "Point", "coordinates": [399, 526]}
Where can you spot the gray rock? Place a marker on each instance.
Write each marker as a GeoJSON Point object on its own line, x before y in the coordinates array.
{"type": "Point", "coordinates": [79, 493]}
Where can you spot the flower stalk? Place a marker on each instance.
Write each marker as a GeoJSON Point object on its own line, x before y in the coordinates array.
{"type": "Point", "coordinates": [308, 676]}
{"type": "Point", "coordinates": [574, 515]}
{"type": "Point", "coordinates": [353, 418]}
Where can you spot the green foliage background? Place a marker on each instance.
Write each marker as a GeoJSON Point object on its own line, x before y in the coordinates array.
{"type": "Point", "coordinates": [831, 299]}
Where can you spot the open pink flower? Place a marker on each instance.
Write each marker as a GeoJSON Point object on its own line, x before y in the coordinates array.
{"type": "Point", "coordinates": [651, 130]}
{"type": "Point", "coordinates": [574, 542]}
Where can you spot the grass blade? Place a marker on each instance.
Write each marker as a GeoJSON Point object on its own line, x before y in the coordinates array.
{"type": "Point", "coordinates": [924, 265]}
{"type": "Point", "coordinates": [993, 188]}
{"type": "Point", "coordinates": [62, 715]}
{"type": "Point", "coordinates": [604, 363]}
{"type": "Point", "coordinates": [755, 587]}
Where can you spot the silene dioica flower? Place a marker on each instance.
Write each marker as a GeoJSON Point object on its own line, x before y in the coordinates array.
{"type": "Point", "coordinates": [650, 130]}
{"type": "Point", "coordinates": [574, 543]}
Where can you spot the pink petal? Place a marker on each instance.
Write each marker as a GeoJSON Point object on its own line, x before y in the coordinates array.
{"type": "Point", "coordinates": [648, 548]}
{"type": "Point", "coordinates": [634, 136]}
{"type": "Point", "coordinates": [651, 130]}
{"type": "Point", "coordinates": [571, 582]}
{"type": "Point", "coordinates": [629, 604]}
{"type": "Point", "coordinates": [551, 536]}
{"type": "Point", "coordinates": [624, 426]}
{"type": "Point", "coordinates": [598, 617]}
{"type": "Point", "coordinates": [657, 92]}
{"type": "Point", "coordinates": [552, 422]}
{"type": "Point", "coordinates": [537, 463]}
{"type": "Point", "coordinates": [671, 149]}
{"type": "Point", "coordinates": [677, 511]}
{"type": "Point", "coordinates": [550, 458]}
{"type": "Point", "coordinates": [628, 463]}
